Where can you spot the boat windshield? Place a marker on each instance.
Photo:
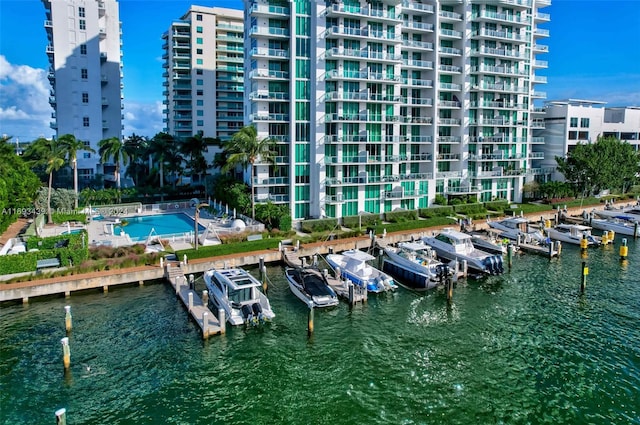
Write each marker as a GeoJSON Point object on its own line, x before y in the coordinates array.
{"type": "Point", "coordinates": [240, 295]}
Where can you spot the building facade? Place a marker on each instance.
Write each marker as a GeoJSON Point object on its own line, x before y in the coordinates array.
{"type": "Point", "coordinates": [574, 121]}
{"type": "Point", "coordinates": [379, 105]}
{"type": "Point", "coordinates": [204, 73]}
{"type": "Point", "coordinates": [85, 74]}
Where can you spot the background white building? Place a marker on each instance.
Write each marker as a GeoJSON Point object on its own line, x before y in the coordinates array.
{"type": "Point", "coordinates": [573, 121]}
{"type": "Point", "coordinates": [85, 73]}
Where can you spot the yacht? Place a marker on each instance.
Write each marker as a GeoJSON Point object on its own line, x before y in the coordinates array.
{"type": "Point", "coordinates": [353, 266]}
{"type": "Point", "coordinates": [239, 294]}
{"type": "Point", "coordinates": [573, 233]}
{"type": "Point", "coordinates": [618, 225]}
{"type": "Point", "coordinates": [415, 265]}
{"type": "Point", "coordinates": [628, 213]}
{"type": "Point", "coordinates": [311, 286]}
{"type": "Point", "coordinates": [453, 245]}
{"type": "Point", "coordinates": [517, 227]}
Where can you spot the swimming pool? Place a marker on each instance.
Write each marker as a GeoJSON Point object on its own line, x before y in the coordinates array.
{"type": "Point", "coordinates": [166, 225]}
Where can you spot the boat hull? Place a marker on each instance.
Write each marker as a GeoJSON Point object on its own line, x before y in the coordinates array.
{"type": "Point", "coordinates": [375, 282]}
{"type": "Point", "coordinates": [627, 229]}
{"type": "Point", "coordinates": [312, 301]}
{"type": "Point", "coordinates": [485, 263]}
{"type": "Point", "coordinates": [412, 278]}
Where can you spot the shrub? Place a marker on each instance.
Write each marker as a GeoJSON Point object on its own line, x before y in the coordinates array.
{"type": "Point", "coordinates": [319, 225]}
{"type": "Point", "coordinates": [497, 205]}
{"type": "Point", "coordinates": [354, 221]}
{"type": "Point", "coordinates": [468, 209]}
{"type": "Point", "coordinates": [400, 216]}
{"type": "Point", "coordinates": [436, 212]}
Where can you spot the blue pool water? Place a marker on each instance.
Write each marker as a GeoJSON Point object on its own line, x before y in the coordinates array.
{"type": "Point", "coordinates": [139, 227]}
{"type": "Point", "coordinates": [73, 232]}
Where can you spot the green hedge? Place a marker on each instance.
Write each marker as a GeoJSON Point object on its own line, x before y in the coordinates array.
{"type": "Point", "coordinates": [470, 209]}
{"type": "Point", "coordinates": [443, 211]}
{"type": "Point", "coordinates": [400, 216]}
{"type": "Point", "coordinates": [225, 249]}
{"type": "Point", "coordinates": [59, 218]}
{"type": "Point", "coordinates": [319, 225]}
{"type": "Point", "coordinates": [354, 221]}
{"type": "Point", "coordinates": [497, 205]}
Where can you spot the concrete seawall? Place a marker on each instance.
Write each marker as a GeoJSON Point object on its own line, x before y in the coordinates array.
{"type": "Point", "coordinates": [104, 279]}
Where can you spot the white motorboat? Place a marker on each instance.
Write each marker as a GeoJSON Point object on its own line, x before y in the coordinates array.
{"type": "Point", "coordinates": [414, 264]}
{"type": "Point", "coordinates": [311, 287]}
{"type": "Point", "coordinates": [238, 293]}
{"type": "Point", "coordinates": [518, 227]}
{"type": "Point", "coordinates": [573, 233]}
{"type": "Point", "coordinates": [453, 245]}
{"type": "Point", "coordinates": [353, 266]}
{"type": "Point", "coordinates": [488, 243]}
{"type": "Point", "coordinates": [619, 226]}
{"type": "Point", "coordinates": [628, 213]}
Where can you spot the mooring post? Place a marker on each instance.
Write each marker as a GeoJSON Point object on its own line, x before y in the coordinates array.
{"type": "Point", "coordinates": [315, 260]}
{"type": "Point", "coordinates": [510, 254]}
{"type": "Point", "coordinates": [298, 245]}
{"type": "Point", "coordinates": [449, 290]}
{"type": "Point", "coordinates": [265, 287]}
{"type": "Point", "coordinates": [310, 321]}
{"type": "Point", "coordinates": [260, 267]}
{"type": "Point", "coordinates": [558, 248]}
{"type": "Point", "coordinates": [67, 318]}
{"type": "Point", "coordinates": [465, 269]}
{"type": "Point", "coordinates": [223, 320]}
{"type": "Point", "coordinates": [330, 250]}
{"type": "Point", "coordinates": [192, 282]}
{"type": "Point", "coordinates": [205, 297]}
{"type": "Point", "coordinates": [624, 250]}
{"type": "Point", "coordinates": [184, 259]}
{"type": "Point", "coordinates": [190, 300]}
{"type": "Point", "coordinates": [583, 282]}
{"type": "Point", "coordinates": [61, 416]}
{"type": "Point", "coordinates": [551, 248]}
{"type": "Point", "coordinates": [161, 262]}
{"type": "Point", "coordinates": [205, 325]}
{"type": "Point", "coordinates": [351, 294]}
{"type": "Point", "coordinates": [66, 353]}
{"type": "Point", "coordinates": [635, 230]}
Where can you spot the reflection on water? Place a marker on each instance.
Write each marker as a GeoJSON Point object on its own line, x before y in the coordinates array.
{"type": "Point", "coordinates": [524, 347]}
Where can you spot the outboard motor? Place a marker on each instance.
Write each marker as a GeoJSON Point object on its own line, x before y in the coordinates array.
{"type": "Point", "coordinates": [500, 265]}
{"type": "Point", "coordinates": [257, 311]}
{"type": "Point", "coordinates": [247, 313]}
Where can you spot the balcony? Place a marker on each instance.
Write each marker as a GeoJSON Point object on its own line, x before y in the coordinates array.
{"type": "Point", "coordinates": [264, 95]}
{"type": "Point", "coordinates": [269, 117]}
{"type": "Point", "coordinates": [502, 70]}
{"type": "Point", "coordinates": [417, 82]}
{"type": "Point", "coordinates": [449, 121]}
{"type": "Point", "coordinates": [417, 45]}
{"type": "Point", "coordinates": [502, 17]}
{"type": "Point", "coordinates": [362, 54]}
{"type": "Point", "coordinates": [366, 32]}
{"type": "Point", "coordinates": [448, 156]}
{"type": "Point", "coordinates": [418, 7]}
{"type": "Point", "coordinates": [450, 69]}
{"type": "Point", "coordinates": [269, 11]}
{"type": "Point", "coordinates": [412, 63]}
{"type": "Point", "coordinates": [50, 50]}
{"type": "Point", "coordinates": [539, 32]}
{"type": "Point", "coordinates": [367, 12]}
{"type": "Point", "coordinates": [536, 155]}
{"type": "Point", "coordinates": [500, 35]}
{"type": "Point", "coordinates": [449, 51]}
{"type": "Point", "coordinates": [450, 86]}
{"type": "Point", "coordinates": [449, 104]}
{"type": "Point", "coordinates": [447, 33]}
{"type": "Point", "coordinates": [449, 16]}
{"type": "Point", "coordinates": [449, 139]}
{"type": "Point", "coordinates": [502, 53]}
{"type": "Point", "coordinates": [269, 32]}
{"type": "Point", "coordinates": [266, 74]}
{"type": "Point", "coordinates": [269, 53]}
{"type": "Point", "coordinates": [419, 26]}
{"type": "Point", "coordinates": [360, 75]}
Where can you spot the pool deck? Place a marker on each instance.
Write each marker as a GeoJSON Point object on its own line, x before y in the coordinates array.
{"type": "Point", "coordinates": [100, 231]}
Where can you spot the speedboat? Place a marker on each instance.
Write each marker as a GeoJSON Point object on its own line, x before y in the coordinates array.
{"type": "Point", "coordinates": [618, 225]}
{"type": "Point", "coordinates": [488, 243]}
{"type": "Point", "coordinates": [573, 233]}
{"type": "Point", "coordinates": [311, 287]}
{"type": "Point", "coordinates": [517, 227]}
{"type": "Point", "coordinates": [453, 245]}
{"type": "Point", "coordinates": [353, 266]}
{"type": "Point", "coordinates": [238, 293]}
{"type": "Point", "coordinates": [414, 264]}
{"type": "Point", "coordinates": [628, 213]}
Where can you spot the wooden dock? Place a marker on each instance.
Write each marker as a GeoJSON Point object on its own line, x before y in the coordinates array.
{"type": "Point", "coordinates": [204, 318]}
{"type": "Point", "coordinates": [342, 289]}
{"type": "Point", "coordinates": [546, 251]}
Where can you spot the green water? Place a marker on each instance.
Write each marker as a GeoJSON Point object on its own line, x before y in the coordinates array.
{"type": "Point", "coordinates": [520, 348]}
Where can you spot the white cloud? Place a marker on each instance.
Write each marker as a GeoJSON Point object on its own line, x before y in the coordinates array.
{"type": "Point", "coordinates": [24, 101]}
{"type": "Point", "coordinates": [143, 119]}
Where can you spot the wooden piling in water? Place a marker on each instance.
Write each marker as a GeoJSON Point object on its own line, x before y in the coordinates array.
{"type": "Point", "coordinates": [66, 353]}
{"type": "Point", "coordinates": [68, 322]}
{"type": "Point", "coordinates": [310, 321]}
{"type": "Point", "coordinates": [61, 416]}
{"type": "Point", "coordinates": [510, 255]}
{"type": "Point", "coordinates": [624, 250]}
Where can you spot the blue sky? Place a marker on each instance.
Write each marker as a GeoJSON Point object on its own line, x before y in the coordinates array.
{"type": "Point", "coordinates": [593, 54]}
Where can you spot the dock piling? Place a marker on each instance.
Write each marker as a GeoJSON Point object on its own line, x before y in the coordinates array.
{"type": "Point", "coordinates": [510, 254]}
{"type": "Point", "coordinates": [351, 293]}
{"type": "Point", "coordinates": [624, 250]}
{"type": "Point", "coordinates": [205, 297]}
{"type": "Point", "coordinates": [310, 321]}
{"type": "Point", "coordinates": [465, 269]}
{"type": "Point", "coordinates": [190, 300]}
{"type": "Point", "coordinates": [265, 286]}
{"type": "Point", "coordinates": [192, 282]}
{"type": "Point", "coordinates": [583, 282]}
{"type": "Point", "coordinates": [61, 416]}
{"type": "Point", "coordinates": [223, 320]}
{"type": "Point", "coordinates": [68, 322]}
{"type": "Point", "coordinates": [205, 325]}
{"type": "Point", "coordinates": [66, 353]}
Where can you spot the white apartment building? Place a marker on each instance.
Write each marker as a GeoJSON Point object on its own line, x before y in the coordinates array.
{"type": "Point", "coordinates": [379, 105]}
{"type": "Point", "coordinates": [204, 74]}
{"type": "Point", "coordinates": [574, 121]}
{"type": "Point", "coordinates": [85, 73]}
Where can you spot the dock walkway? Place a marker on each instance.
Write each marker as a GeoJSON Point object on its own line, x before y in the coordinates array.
{"type": "Point", "coordinates": [204, 318]}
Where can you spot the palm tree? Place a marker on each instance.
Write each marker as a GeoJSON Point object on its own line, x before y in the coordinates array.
{"type": "Point", "coordinates": [51, 155]}
{"type": "Point", "coordinates": [245, 149]}
{"type": "Point", "coordinates": [71, 146]}
{"type": "Point", "coordinates": [194, 147]}
{"type": "Point", "coordinates": [113, 149]}
{"type": "Point", "coordinates": [137, 148]}
{"type": "Point", "coordinates": [159, 147]}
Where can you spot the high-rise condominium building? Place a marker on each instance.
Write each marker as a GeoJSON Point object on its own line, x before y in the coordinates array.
{"type": "Point", "coordinates": [85, 75]}
{"type": "Point", "coordinates": [571, 122]}
{"type": "Point", "coordinates": [379, 105]}
{"type": "Point", "coordinates": [204, 73]}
